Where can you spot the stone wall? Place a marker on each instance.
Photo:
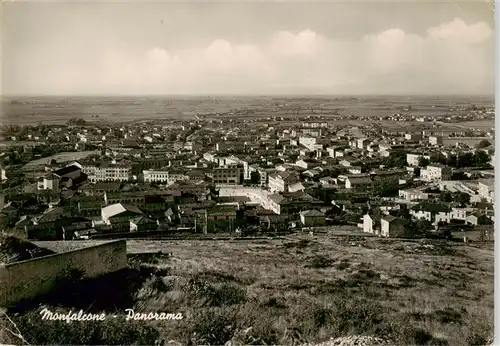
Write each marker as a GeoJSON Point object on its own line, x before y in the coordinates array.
{"type": "Point", "coordinates": [28, 279]}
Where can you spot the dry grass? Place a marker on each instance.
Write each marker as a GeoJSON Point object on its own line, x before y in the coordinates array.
{"type": "Point", "coordinates": [307, 289]}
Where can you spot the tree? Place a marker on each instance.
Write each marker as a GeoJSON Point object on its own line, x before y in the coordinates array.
{"type": "Point", "coordinates": [396, 158]}
{"type": "Point", "coordinates": [423, 162]}
{"type": "Point", "coordinates": [437, 158]}
{"type": "Point", "coordinates": [255, 178]}
{"type": "Point", "coordinates": [386, 187]}
{"type": "Point", "coordinates": [483, 144]}
{"type": "Point", "coordinates": [446, 196]}
{"type": "Point", "coordinates": [422, 226]}
{"type": "Point", "coordinates": [461, 197]}
{"type": "Point", "coordinates": [465, 160]}
{"type": "Point", "coordinates": [77, 122]}
{"type": "Point", "coordinates": [480, 159]}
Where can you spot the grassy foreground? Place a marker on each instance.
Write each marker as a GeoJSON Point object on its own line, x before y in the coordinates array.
{"type": "Point", "coordinates": [299, 290]}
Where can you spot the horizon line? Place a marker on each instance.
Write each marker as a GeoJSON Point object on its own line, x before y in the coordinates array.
{"type": "Point", "coordinates": [255, 95]}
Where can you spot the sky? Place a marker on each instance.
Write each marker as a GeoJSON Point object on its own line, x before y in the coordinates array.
{"type": "Point", "coordinates": [280, 47]}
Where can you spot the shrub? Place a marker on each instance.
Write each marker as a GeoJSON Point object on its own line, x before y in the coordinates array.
{"type": "Point", "coordinates": [321, 262]}
{"type": "Point", "coordinates": [212, 328]}
{"type": "Point", "coordinates": [112, 331]}
{"type": "Point", "coordinates": [216, 294]}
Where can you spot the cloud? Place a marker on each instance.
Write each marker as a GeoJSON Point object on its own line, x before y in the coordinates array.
{"type": "Point", "coordinates": [451, 57]}
{"type": "Point", "coordinates": [458, 31]}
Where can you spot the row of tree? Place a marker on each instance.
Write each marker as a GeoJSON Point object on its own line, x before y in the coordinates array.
{"type": "Point", "coordinates": [478, 159]}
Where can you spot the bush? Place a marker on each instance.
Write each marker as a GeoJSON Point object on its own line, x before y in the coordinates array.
{"type": "Point", "coordinates": [112, 331]}
{"type": "Point", "coordinates": [321, 262]}
{"type": "Point", "coordinates": [224, 294]}
{"type": "Point", "coordinates": [212, 328]}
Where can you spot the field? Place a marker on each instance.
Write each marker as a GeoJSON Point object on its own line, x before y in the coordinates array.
{"type": "Point", "coordinates": [58, 110]}
{"type": "Point", "coordinates": [294, 290]}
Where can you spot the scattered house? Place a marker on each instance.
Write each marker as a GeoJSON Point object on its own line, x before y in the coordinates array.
{"type": "Point", "coordinates": [361, 181]}
{"type": "Point", "coordinates": [391, 226]}
{"type": "Point", "coordinates": [432, 212]}
{"type": "Point", "coordinates": [89, 206]}
{"type": "Point", "coordinates": [479, 219]}
{"type": "Point", "coordinates": [355, 170]}
{"type": "Point", "coordinates": [487, 190]}
{"type": "Point", "coordinates": [142, 224]}
{"type": "Point", "coordinates": [221, 218]}
{"type": "Point", "coordinates": [296, 187]}
{"type": "Point", "coordinates": [413, 194]}
{"type": "Point", "coordinates": [371, 224]}
{"type": "Point", "coordinates": [48, 225]}
{"type": "Point", "coordinates": [414, 159]}
{"type": "Point", "coordinates": [327, 181]}
{"type": "Point", "coordinates": [74, 226]}
{"type": "Point", "coordinates": [435, 173]}
{"type": "Point", "coordinates": [119, 215]}
{"type": "Point", "coordinates": [435, 140]}
{"type": "Point", "coordinates": [312, 218]}
{"type": "Point", "coordinates": [3, 174]}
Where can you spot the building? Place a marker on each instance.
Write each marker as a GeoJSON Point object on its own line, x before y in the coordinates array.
{"type": "Point", "coordinates": [487, 190]}
{"type": "Point", "coordinates": [391, 226]}
{"type": "Point", "coordinates": [119, 215]}
{"type": "Point", "coordinates": [479, 219]}
{"type": "Point", "coordinates": [435, 140]}
{"type": "Point", "coordinates": [414, 159]}
{"type": "Point", "coordinates": [65, 177]}
{"type": "Point", "coordinates": [289, 203]}
{"type": "Point", "coordinates": [142, 224]}
{"type": "Point", "coordinates": [362, 143]}
{"type": "Point", "coordinates": [129, 198]}
{"type": "Point", "coordinates": [160, 176]}
{"type": "Point", "coordinates": [281, 181]}
{"type": "Point", "coordinates": [231, 174]}
{"type": "Point", "coordinates": [358, 181]}
{"type": "Point", "coordinates": [413, 194]}
{"type": "Point", "coordinates": [221, 218]}
{"type": "Point", "coordinates": [312, 218]}
{"type": "Point", "coordinates": [370, 224]}
{"type": "Point", "coordinates": [435, 173]}
{"type": "Point", "coordinates": [49, 182]}
{"type": "Point", "coordinates": [432, 212]}
{"type": "Point", "coordinates": [413, 137]}
{"type": "Point", "coordinates": [108, 172]}
{"type": "Point", "coordinates": [3, 174]}
{"type": "Point", "coordinates": [308, 142]}
{"type": "Point", "coordinates": [153, 176]}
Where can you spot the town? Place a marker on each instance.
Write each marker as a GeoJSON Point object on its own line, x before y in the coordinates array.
{"type": "Point", "coordinates": [244, 173]}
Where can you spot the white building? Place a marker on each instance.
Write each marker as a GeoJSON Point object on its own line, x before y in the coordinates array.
{"type": "Point", "coordinates": [108, 173]}
{"type": "Point", "coordinates": [152, 176]}
{"type": "Point", "coordinates": [368, 224]}
{"type": "Point", "coordinates": [330, 151]}
{"type": "Point", "coordinates": [487, 190]}
{"type": "Point", "coordinates": [435, 140]}
{"type": "Point", "coordinates": [362, 143]}
{"type": "Point", "coordinates": [49, 182]}
{"type": "Point", "coordinates": [281, 181]}
{"type": "Point", "coordinates": [435, 173]}
{"type": "Point", "coordinates": [308, 142]}
{"type": "Point", "coordinates": [3, 175]}
{"type": "Point", "coordinates": [413, 159]}
{"type": "Point", "coordinates": [458, 214]}
{"type": "Point", "coordinates": [413, 194]}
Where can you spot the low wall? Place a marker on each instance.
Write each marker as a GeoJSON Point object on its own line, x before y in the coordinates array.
{"type": "Point", "coordinates": [31, 278]}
